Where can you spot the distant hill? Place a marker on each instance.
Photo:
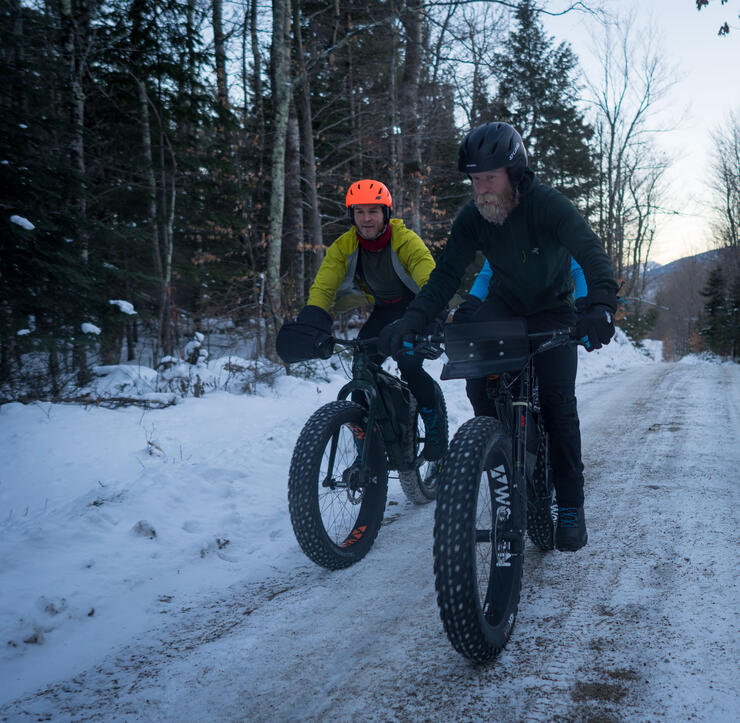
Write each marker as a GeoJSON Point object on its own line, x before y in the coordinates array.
{"type": "Point", "coordinates": [658, 275]}
{"type": "Point", "coordinates": [676, 289]}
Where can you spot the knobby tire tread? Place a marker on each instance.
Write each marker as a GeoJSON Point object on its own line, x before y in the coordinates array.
{"type": "Point", "coordinates": [476, 442]}
{"type": "Point", "coordinates": [303, 488]}
{"type": "Point", "coordinates": [540, 497]}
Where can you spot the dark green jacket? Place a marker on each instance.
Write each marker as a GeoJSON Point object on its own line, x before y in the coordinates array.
{"type": "Point", "coordinates": [530, 254]}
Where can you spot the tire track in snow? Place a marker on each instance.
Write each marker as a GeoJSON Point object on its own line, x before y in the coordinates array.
{"type": "Point", "coordinates": [602, 634]}
{"type": "Point", "coordinates": [656, 497]}
{"type": "Point", "coordinates": [558, 608]}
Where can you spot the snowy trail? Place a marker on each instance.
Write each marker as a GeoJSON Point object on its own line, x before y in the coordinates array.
{"type": "Point", "coordinates": [639, 625]}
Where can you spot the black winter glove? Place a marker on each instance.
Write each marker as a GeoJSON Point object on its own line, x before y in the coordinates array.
{"type": "Point", "coordinates": [435, 328]}
{"type": "Point", "coordinates": [399, 336]}
{"type": "Point", "coordinates": [308, 337]}
{"type": "Point", "coordinates": [465, 312]}
{"type": "Point", "coordinates": [595, 325]}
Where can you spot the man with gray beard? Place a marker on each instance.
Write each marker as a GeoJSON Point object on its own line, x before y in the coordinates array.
{"type": "Point", "coordinates": [528, 232]}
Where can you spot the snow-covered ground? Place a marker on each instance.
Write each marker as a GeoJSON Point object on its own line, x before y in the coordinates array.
{"type": "Point", "coordinates": [149, 571]}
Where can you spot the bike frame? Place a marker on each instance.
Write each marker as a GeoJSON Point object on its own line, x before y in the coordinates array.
{"type": "Point", "coordinates": [515, 408]}
{"type": "Point", "coordinates": [365, 376]}
{"type": "Point", "coordinates": [521, 414]}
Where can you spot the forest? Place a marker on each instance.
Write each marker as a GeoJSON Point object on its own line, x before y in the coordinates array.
{"type": "Point", "coordinates": [178, 167]}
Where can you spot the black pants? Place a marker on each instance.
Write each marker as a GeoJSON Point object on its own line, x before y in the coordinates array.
{"type": "Point", "coordinates": [420, 383]}
{"type": "Point", "coordinates": [556, 374]}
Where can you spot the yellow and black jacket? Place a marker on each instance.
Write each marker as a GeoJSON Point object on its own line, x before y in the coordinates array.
{"type": "Point", "coordinates": [337, 286]}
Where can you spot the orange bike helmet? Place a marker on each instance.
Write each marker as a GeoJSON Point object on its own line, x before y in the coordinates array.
{"type": "Point", "coordinates": [370, 192]}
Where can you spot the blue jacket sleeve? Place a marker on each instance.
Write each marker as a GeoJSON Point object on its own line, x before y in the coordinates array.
{"type": "Point", "coordinates": [579, 279]}
{"type": "Point", "coordinates": [480, 285]}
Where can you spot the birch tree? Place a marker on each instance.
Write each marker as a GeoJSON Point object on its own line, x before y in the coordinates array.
{"type": "Point", "coordinates": [281, 100]}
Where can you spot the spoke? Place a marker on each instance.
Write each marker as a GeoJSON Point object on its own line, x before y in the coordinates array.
{"type": "Point", "coordinates": [483, 536]}
{"type": "Point", "coordinates": [338, 513]}
{"type": "Point", "coordinates": [490, 533]}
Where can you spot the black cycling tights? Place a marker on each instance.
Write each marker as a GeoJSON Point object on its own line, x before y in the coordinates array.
{"type": "Point", "coordinates": [420, 383]}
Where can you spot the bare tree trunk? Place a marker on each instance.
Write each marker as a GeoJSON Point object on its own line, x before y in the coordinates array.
{"type": "Point", "coordinates": [314, 235]}
{"type": "Point", "coordinates": [412, 22]}
{"type": "Point", "coordinates": [632, 81]}
{"type": "Point", "coordinates": [169, 326]}
{"type": "Point", "coordinates": [130, 324]}
{"type": "Point", "coordinates": [151, 183]}
{"type": "Point", "coordinates": [75, 30]}
{"type": "Point", "coordinates": [259, 106]}
{"type": "Point", "coordinates": [151, 186]}
{"type": "Point", "coordinates": [17, 58]}
{"type": "Point", "coordinates": [245, 73]}
{"type": "Point", "coordinates": [356, 158]}
{"type": "Point", "coordinates": [130, 340]}
{"type": "Point", "coordinates": [396, 140]}
{"type": "Point", "coordinates": [8, 347]}
{"type": "Point", "coordinates": [222, 94]}
{"type": "Point", "coordinates": [74, 33]}
{"type": "Point", "coordinates": [254, 196]}
{"type": "Point", "coordinates": [725, 181]}
{"type": "Point", "coordinates": [281, 97]}
{"type": "Point", "coordinates": [335, 32]}
{"type": "Point", "coordinates": [293, 216]}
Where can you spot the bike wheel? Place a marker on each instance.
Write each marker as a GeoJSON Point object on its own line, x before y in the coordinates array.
{"type": "Point", "coordinates": [336, 514]}
{"type": "Point", "coordinates": [541, 507]}
{"type": "Point", "coordinates": [421, 483]}
{"type": "Point", "coordinates": [479, 540]}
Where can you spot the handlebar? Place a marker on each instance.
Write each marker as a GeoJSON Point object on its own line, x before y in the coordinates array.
{"type": "Point", "coordinates": [557, 337]}
{"type": "Point", "coordinates": [355, 343]}
{"type": "Point", "coordinates": [550, 339]}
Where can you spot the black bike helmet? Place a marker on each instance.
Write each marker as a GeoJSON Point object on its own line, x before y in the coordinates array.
{"type": "Point", "coordinates": [493, 145]}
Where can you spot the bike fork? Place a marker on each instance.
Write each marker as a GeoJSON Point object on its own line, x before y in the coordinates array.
{"type": "Point", "coordinates": [364, 450]}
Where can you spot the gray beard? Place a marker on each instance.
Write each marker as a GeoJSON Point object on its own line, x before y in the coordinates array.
{"type": "Point", "coordinates": [495, 208]}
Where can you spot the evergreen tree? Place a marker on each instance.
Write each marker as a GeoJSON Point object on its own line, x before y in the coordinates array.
{"type": "Point", "coordinates": [45, 294]}
{"type": "Point", "coordinates": [715, 322]}
{"type": "Point", "coordinates": [538, 95]}
{"type": "Point", "coordinates": [733, 316]}
{"type": "Point", "coordinates": [638, 322]}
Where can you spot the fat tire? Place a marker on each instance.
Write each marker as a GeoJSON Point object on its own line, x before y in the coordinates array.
{"type": "Point", "coordinates": [540, 501]}
{"type": "Point", "coordinates": [421, 483]}
{"type": "Point", "coordinates": [481, 444]}
{"type": "Point", "coordinates": [307, 496]}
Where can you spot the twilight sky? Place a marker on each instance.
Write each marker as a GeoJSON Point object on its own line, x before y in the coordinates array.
{"type": "Point", "coordinates": [707, 88]}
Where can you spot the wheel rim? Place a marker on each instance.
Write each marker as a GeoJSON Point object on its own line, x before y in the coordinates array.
{"type": "Point", "coordinates": [493, 554]}
{"type": "Point", "coordinates": [340, 495]}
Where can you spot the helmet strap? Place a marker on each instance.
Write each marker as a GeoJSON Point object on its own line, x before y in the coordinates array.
{"type": "Point", "coordinates": [386, 214]}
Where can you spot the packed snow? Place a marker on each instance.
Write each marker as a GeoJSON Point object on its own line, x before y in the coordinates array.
{"type": "Point", "coordinates": [125, 306]}
{"type": "Point", "coordinates": [129, 532]}
{"type": "Point", "coordinates": [89, 328]}
{"type": "Point", "coordinates": [24, 223]}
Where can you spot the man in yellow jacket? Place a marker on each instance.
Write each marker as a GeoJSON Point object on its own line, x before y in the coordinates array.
{"type": "Point", "coordinates": [378, 261]}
